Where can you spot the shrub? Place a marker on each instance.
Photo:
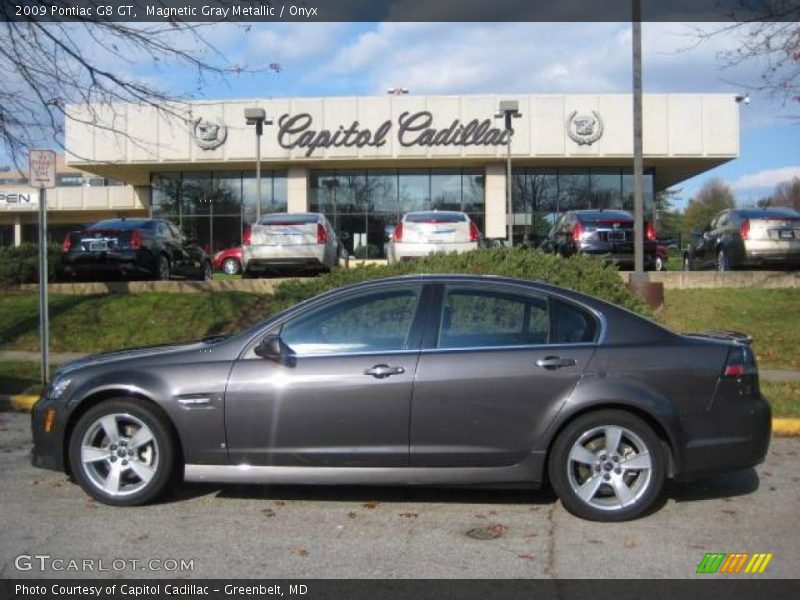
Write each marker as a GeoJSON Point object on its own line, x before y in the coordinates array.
{"type": "Point", "coordinates": [578, 273]}
{"type": "Point", "coordinates": [20, 264]}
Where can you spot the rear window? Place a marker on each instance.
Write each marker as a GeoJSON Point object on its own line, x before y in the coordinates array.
{"type": "Point", "coordinates": [122, 224]}
{"type": "Point", "coordinates": [436, 217]}
{"type": "Point", "coordinates": [783, 213]}
{"type": "Point", "coordinates": [604, 215]}
{"type": "Point", "coordinates": [288, 219]}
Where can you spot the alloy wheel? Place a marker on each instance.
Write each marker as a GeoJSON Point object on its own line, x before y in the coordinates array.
{"type": "Point", "coordinates": [609, 468]}
{"type": "Point", "coordinates": [230, 266]}
{"type": "Point", "coordinates": [119, 454]}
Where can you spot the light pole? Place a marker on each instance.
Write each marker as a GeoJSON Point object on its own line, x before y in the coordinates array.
{"type": "Point", "coordinates": [638, 152]}
{"type": "Point", "coordinates": [508, 110]}
{"type": "Point", "coordinates": [257, 117]}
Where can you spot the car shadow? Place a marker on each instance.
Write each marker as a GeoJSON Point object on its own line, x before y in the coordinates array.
{"type": "Point", "coordinates": [364, 494]}
{"type": "Point", "coordinates": [714, 487]}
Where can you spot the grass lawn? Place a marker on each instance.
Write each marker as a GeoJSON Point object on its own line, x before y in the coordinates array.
{"type": "Point", "coordinates": [772, 317]}
{"type": "Point", "coordinates": [98, 323]}
{"type": "Point", "coordinates": [783, 396]}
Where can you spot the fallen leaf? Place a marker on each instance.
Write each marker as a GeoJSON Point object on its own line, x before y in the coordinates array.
{"type": "Point", "coordinates": [728, 511]}
{"type": "Point", "coordinates": [299, 551]}
{"type": "Point", "coordinates": [531, 534]}
{"type": "Point", "coordinates": [594, 541]}
{"type": "Point", "coordinates": [527, 556]}
{"type": "Point", "coordinates": [90, 504]}
{"type": "Point", "coordinates": [480, 516]}
{"type": "Point", "coordinates": [497, 528]}
{"type": "Point", "coordinates": [409, 515]}
{"type": "Point", "coordinates": [279, 503]}
{"type": "Point", "coordinates": [352, 514]}
{"type": "Point", "coordinates": [370, 504]}
{"type": "Point", "coordinates": [268, 512]}
{"type": "Point", "coordinates": [630, 542]}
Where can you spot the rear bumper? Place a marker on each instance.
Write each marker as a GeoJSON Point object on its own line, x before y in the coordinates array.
{"type": "Point", "coordinates": [772, 252]}
{"type": "Point", "coordinates": [396, 252]}
{"type": "Point", "coordinates": [264, 258]}
{"type": "Point", "coordinates": [737, 440]}
{"type": "Point", "coordinates": [112, 261]}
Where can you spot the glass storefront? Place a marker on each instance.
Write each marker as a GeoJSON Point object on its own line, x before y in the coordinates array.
{"type": "Point", "coordinates": [540, 194]}
{"type": "Point", "coordinates": [213, 207]}
{"type": "Point", "coordinates": [362, 203]}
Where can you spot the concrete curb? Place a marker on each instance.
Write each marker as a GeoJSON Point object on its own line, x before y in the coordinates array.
{"type": "Point", "coordinates": [25, 402]}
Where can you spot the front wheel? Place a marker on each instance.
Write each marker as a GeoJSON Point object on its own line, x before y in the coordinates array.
{"type": "Point", "coordinates": [723, 263]}
{"type": "Point", "coordinates": [122, 453]}
{"type": "Point", "coordinates": [162, 268]}
{"type": "Point", "coordinates": [230, 266]}
{"type": "Point", "coordinates": [607, 465]}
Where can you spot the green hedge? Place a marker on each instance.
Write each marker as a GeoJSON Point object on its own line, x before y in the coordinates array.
{"type": "Point", "coordinates": [21, 264]}
{"type": "Point", "coordinates": [578, 273]}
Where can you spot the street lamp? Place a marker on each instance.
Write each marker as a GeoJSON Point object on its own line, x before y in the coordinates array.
{"type": "Point", "coordinates": [257, 117]}
{"type": "Point", "coordinates": [397, 91]}
{"type": "Point", "coordinates": [508, 110]}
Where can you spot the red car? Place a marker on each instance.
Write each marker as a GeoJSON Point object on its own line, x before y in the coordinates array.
{"type": "Point", "coordinates": [229, 261]}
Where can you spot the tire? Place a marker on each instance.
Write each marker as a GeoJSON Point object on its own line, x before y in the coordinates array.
{"type": "Point", "coordinates": [687, 263]}
{"type": "Point", "coordinates": [659, 264]}
{"type": "Point", "coordinates": [162, 268]}
{"type": "Point", "coordinates": [207, 273]}
{"type": "Point", "coordinates": [723, 262]}
{"type": "Point", "coordinates": [117, 472]}
{"type": "Point", "coordinates": [231, 266]}
{"type": "Point", "coordinates": [614, 492]}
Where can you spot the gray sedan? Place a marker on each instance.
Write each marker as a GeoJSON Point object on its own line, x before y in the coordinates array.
{"type": "Point", "coordinates": [416, 380]}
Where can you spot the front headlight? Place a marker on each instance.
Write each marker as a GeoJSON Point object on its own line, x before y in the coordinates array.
{"type": "Point", "coordinates": [58, 387]}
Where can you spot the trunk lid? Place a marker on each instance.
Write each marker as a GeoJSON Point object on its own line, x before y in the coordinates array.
{"type": "Point", "coordinates": [436, 228]}
{"type": "Point", "coordinates": [285, 230]}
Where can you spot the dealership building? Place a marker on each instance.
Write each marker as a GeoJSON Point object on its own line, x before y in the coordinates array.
{"type": "Point", "coordinates": [365, 161]}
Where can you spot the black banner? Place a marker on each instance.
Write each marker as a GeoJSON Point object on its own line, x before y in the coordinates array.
{"type": "Point", "coordinates": [171, 11]}
{"type": "Point", "coordinates": [746, 588]}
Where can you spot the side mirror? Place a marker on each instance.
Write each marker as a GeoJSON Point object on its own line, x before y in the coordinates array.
{"type": "Point", "coordinates": [273, 348]}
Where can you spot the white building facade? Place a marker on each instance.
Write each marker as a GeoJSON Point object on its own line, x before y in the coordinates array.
{"type": "Point", "coordinates": [364, 161]}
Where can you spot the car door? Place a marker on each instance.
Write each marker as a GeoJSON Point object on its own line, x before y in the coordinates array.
{"type": "Point", "coordinates": [343, 397]}
{"type": "Point", "coordinates": [493, 372]}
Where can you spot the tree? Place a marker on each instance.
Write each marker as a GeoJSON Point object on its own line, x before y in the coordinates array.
{"type": "Point", "coordinates": [769, 37]}
{"type": "Point", "coordinates": [787, 193]}
{"type": "Point", "coordinates": [47, 66]}
{"type": "Point", "coordinates": [669, 222]}
{"type": "Point", "coordinates": [714, 196]}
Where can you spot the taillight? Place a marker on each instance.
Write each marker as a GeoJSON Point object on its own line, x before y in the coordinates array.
{"type": "Point", "coordinates": [577, 232]}
{"type": "Point", "coordinates": [649, 231]}
{"type": "Point", "coordinates": [246, 233]}
{"type": "Point", "coordinates": [741, 361]}
{"type": "Point", "coordinates": [136, 240]}
{"type": "Point", "coordinates": [474, 234]}
{"type": "Point", "coordinates": [744, 229]}
{"type": "Point", "coordinates": [322, 235]}
{"type": "Point", "coordinates": [67, 245]}
{"type": "Point", "coordinates": [398, 232]}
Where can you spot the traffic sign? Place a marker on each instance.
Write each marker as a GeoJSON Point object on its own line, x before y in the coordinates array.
{"type": "Point", "coordinates": [42, 165]}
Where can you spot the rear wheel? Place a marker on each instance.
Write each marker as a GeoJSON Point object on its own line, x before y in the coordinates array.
{"type": "Point", "coordinates": [207, 272]}
{"type": "Point", "coordinates": [230, 266]}
{"type": "Point", "coordinates": [162, 268]}
{"type": "Point", "coordinates": [723, 263]}
{"type": "Point", "coordinates": [607, 465]}
{"type": "Point", "coordinates": [122, 452]}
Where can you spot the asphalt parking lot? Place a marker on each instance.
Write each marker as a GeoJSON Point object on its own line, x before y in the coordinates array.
{"type": "Point", "coordinates": [302, 532]}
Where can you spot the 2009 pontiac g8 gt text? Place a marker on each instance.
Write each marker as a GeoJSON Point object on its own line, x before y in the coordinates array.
{"type": "Point", "coordinates": [416, 380]}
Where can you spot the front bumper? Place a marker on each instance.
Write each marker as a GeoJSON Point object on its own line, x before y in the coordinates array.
{"type": "Point", "coordinates": [48, 447]}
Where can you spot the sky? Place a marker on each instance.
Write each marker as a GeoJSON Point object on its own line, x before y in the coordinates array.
{"type": "Point", "coordinates": [319, 59]}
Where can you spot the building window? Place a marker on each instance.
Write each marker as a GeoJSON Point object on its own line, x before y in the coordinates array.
{"type": "Point", "coordinates": [213, 207]}
{"type": "Point", "coordinates": [362, 203]}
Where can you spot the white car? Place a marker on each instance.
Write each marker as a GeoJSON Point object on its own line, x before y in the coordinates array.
{"type": "Point", "coordinates": [421, 233]}
{"type": "Point", "coordinates": [290, 241]}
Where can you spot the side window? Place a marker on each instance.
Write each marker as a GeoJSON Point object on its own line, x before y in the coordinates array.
{"type": "Point", "coordinates": [379, 322]}
{"type": "Point", "coordinates": [571, 325]}
{"type": "Point", "coordinates": [163, 231]}
{"type": "Point", "coordinates": [476, 318]}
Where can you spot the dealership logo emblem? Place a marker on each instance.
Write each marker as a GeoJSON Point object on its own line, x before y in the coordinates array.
{"type": "Point", "coordinates": [209, 134]}
{"type": "Point", "coordinates": [734, 563]}
{"type": "Point", "coordinates": [584, 129]}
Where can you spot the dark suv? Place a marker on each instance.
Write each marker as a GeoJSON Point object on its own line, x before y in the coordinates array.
{"type": "Point", "coordinates": [148, 247]}
{"type": "Point", "coordinates": [746, 237]}
{"type": "Point", "coordinates": [606, 234]}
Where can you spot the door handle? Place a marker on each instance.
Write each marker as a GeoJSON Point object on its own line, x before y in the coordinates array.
{"type": "Point", "coordinates": [552, 363]}
{"type": "Point", "coordinates": [383, 371]}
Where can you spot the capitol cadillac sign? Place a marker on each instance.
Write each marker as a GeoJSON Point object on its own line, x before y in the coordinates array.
{"type": "Point", "coordinates": [16, 199]}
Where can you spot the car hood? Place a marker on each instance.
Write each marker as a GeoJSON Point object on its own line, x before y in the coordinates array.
{"type": "Point", "coordinates": [132, 353]}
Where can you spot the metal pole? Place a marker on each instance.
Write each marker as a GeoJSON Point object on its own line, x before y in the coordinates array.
{"type": "Point", "coordinates": [638, 176]}
{"type": "Point", "coordinates": [509, 223]}
{"type": "Point", "coordinates": [44, 326]}
{"type": "Point", "coordinates": [259, 129]}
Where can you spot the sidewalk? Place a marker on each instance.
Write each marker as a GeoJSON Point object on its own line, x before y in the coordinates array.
{"type": "Point", "coordinates": [61, 357]}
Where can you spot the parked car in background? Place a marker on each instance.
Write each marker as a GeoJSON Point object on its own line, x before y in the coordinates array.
{"type": "Point", "coordinates": [133, 247]}
{"type": "Point", "coordinates": [437, 380]}
{"type": "Point", "coordinates": [746, 237]}
{"type": "Point", "coordinates": [229, 261]}
{"type": "Point", "coordinates": [662, 257]}
{"type": "Point", "coordinates": [419, 234]}
{"type": "Point", "coordinates": [606, 234]}
{"type": "Point", "coordinates": [290, 241]}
